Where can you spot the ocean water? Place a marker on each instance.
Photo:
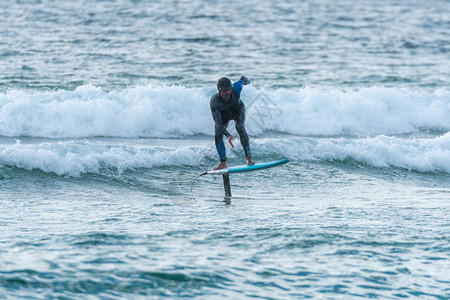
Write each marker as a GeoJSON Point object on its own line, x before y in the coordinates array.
{"type": "Point", "coordinates": [105, 126]}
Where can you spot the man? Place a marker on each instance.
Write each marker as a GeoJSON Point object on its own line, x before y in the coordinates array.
{"type": "Point", "coordinates": [226, 105]}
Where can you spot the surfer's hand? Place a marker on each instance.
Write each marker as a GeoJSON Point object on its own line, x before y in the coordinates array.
{"type": "Point", "coordinates": [245, 80]}
{"type": "Point", "coordinates": [230, 140]}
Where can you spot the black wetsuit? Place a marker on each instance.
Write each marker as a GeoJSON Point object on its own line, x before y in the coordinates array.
{"type": "Point", "coordinates": [225, 110]}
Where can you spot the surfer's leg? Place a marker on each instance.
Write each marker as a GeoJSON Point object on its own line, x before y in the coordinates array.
{"type": "Point", "coordinates": [239, 121]}
{"type": "Point", "coordinates": [220, 145]}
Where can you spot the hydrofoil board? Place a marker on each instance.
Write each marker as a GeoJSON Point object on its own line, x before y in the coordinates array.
{"type": "Point", "coordinates": [246, 168]}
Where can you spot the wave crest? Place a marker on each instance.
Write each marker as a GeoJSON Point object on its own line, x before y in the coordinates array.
{"type": "Point", "coordinates": [177, 111]}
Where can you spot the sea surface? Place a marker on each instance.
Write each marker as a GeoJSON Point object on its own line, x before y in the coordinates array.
{"type": "Point", "coordinates": [105, 128]}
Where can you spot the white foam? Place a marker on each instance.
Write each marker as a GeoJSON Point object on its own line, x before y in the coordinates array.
{"type": "Point", "coordinates": [431, 154]}
{"type": "Point", "coordinates": [73, 158]}
{"type": "Point", "coordinates": [88, 111]}
{"type": "Point", "coordinates": [368, 111]}
{"type": "Point", "coordinates": [177, 111]}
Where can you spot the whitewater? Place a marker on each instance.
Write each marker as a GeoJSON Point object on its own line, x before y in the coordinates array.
{"type": "Point", "coordinates": [380, 127]}
{"type": "Point", "coordinates": [177, 111]}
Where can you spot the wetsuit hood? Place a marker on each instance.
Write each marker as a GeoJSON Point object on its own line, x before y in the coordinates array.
{"type": "Point", "coordinates": [223, 84]}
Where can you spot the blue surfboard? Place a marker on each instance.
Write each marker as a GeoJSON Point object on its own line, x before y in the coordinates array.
{"type": "Point", "coordinates": [245, 168]}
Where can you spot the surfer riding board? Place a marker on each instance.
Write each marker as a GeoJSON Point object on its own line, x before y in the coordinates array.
{"type": "Point", "coordinates": [226, 105]}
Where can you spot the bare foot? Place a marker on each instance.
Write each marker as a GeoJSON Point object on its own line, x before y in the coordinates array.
{"type": "Point", "coordinates": [250, 161]}
{"type": "Point", "coordinates": [222, 165]}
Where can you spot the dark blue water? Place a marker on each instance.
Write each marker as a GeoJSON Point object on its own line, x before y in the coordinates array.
{"type": "Point", "coordinates": [105, 127]}
{"type": "Point", "coordinates": [115, 44]}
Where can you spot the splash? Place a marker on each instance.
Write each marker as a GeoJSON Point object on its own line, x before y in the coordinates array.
{"type": "Point", "coordinates": [177, 111]}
